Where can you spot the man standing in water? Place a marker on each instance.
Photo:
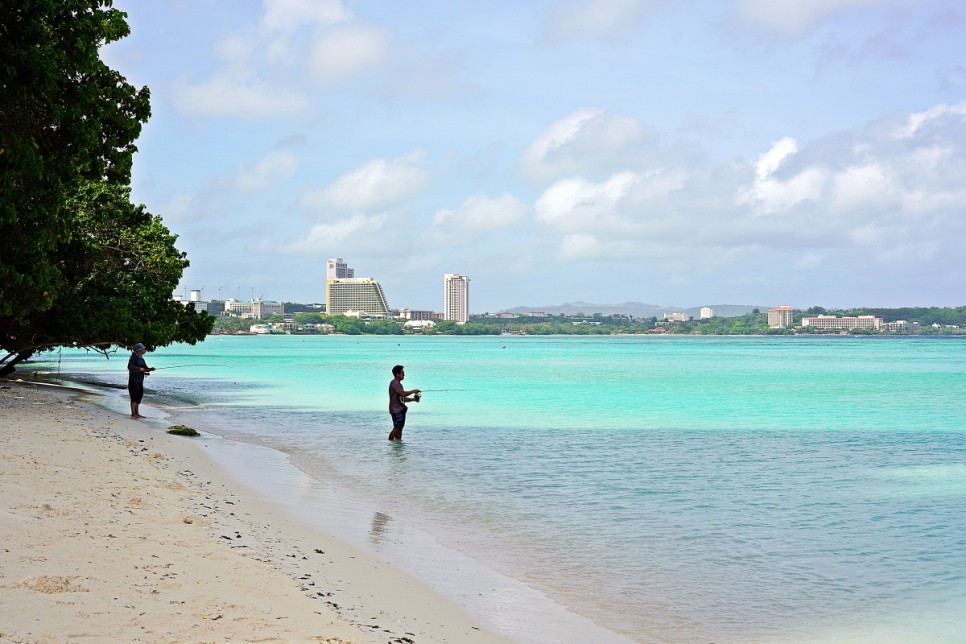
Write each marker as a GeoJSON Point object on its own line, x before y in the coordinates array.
{"type": "Point", "coordinates": [398, 397]}
{"type": "Point", "coordinates": [137, 368]}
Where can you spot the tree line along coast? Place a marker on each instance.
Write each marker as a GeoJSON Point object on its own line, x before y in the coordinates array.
{"type": "Point", "coordinates": [301, 319]}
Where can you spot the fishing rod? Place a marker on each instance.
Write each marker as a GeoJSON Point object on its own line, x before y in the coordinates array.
{"type": "Point", "coordinates": [423, 390]}
{"type": "Point", "coordinates": [178, 366]}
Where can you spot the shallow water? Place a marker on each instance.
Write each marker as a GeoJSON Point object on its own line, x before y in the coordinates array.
{"type": "Point", "coordinates": [681, 489]}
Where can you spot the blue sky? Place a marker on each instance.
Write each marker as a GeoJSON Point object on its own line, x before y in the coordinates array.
{"type": "Point", "coordinates": [808, 152]}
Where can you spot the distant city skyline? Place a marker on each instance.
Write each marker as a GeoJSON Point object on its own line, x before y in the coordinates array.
{"type": "Point", "coordinates": [687, 154]}
{"type": "Point", "coordinates": [638, 309]}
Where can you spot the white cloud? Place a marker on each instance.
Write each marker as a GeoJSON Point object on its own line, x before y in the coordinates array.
{"type": "Point", "coordinates": [427, 75]}
{"type": "Point", "coordinates": [868, 196]}
{"type": "Point", "coordinates": [798, 17]}
{"type": "Point", "coordinates": [291, 14]}
{"type": "Point", "coordinates": [374, 186]}
{"type": "Point", "coordinates": [597, 18]}
{"type": "Point", "coordinates": [236, 48]}
{"type": "Point", "coordinates": [274, 167]}
{"type": "Point", "coordinates": [345, 233]}
{"type": "Point", "coordinates": [575, 205]}
{"type": "Point", "coordinates": [477, 216]}
{"type": "Point", "coordinates": [264, 63]}
{"type": "Point", "coordinates": [227, 96]}
{"type": "Point", "coordinates": [861, 186]}
{"type": "Point", "coordinates": [628, 215]}
{"type": "Point", "coordinates": [577, 247]}
{"type": "Point", "coordinates": [809, 260]}
{"type": "Point", "coordinates": [178, 207]}
{"type": "Point", "coordinates": [343, 52]}
{"type": "Point", "coordinates": [769, 194]}
{"type": "Point", "coordinates": [586, 141]}
{"type": "Point", "coordinates": [936, 113]}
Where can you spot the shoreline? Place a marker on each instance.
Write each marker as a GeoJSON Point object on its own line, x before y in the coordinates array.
{"type": "Point", "coordinates": [116, 530]}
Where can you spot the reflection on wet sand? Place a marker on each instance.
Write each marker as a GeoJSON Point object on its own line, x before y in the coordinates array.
{"type": "Point", "coordinates": [378, 531]}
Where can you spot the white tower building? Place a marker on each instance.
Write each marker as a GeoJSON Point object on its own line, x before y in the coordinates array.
{"type": "Point", "coordinates": [456, 297]}
{"type": "Point", "coordinates": [337, 269]}
{"type": "Point", "coordinates": [780, 317]}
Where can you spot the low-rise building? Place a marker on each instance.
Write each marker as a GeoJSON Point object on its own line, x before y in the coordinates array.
{"type": "Point", "coordinates": [364, 315]}
{"type": "Point", "coordinates": [194, 302]}
{"type": "Point", "coordinates": [419, 325]}
{"type": "Point", "coordinates": [897, 326]}
{"type": "Point", "coordinates": [266, 329]}
{"type": "Point", "coordinates": [848, 322]}
{"type": "Point", "coordinates": [676, 317]}
{"type": "Point", "coordinates": [256, 309]}
{"type": "Point", "coordinates": [412, 314]}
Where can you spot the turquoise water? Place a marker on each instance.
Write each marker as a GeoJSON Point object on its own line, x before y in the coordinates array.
{"type": "Point", "coordinates": [672, 489]}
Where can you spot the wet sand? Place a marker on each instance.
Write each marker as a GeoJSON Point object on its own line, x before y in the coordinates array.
{"type": "Point", "coordinates": [113, 530]}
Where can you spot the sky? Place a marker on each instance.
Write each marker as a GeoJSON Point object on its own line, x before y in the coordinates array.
{"type": "Point", "coordinates": [680, 153]}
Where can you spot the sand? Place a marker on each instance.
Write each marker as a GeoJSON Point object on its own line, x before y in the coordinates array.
{"type": "Point", "coordinates": [111, 530]}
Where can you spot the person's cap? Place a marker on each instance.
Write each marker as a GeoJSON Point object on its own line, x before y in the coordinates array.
{"type": "Point", "coordinates": [139, 347]}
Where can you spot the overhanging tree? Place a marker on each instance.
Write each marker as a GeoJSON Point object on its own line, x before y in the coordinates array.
{"type": "Point", "coordinates": [119, 267]}
{"type": "Point", "coordinates": [79, 264]}
{"type": "Point", "coordinates": [65, 118]}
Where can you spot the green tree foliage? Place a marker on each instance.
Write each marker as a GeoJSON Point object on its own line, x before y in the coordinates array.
{"type": "Point", "coordinates": [383, 327]}
{"type": "Point", "coordinates": [80, 265]}
{"type": "Point", "coordinates": [65, 118]}
{"type": "Point", "coordinates": [295, 307]}
{"type": "Point", "coordinates": [346, 325]}
{"type": "Point", "coordinates": [446, 327]}
{"type": "Point", "coordinates": [119, 267]}
{"type": "Point", "coordinates": [306, 318]}
{"type": "Point", "coordinates": [232, 324]}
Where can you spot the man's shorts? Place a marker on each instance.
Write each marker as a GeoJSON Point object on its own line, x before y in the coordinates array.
{"type": "Point", "coordinates": [136, 389]}
{"type": "Point", "coordinates": [398, 419]}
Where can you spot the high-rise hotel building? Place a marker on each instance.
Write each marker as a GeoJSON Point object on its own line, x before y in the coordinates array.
{"type": "Point", "coordinates": [356, 294]}
{"type": "Point", "coordinates": [336, 268]}
{"type": "Point", "coordinates": [456, 297]}
{"type": "Point", "coordinates": [780, 317]}
{"type": "Point", "coordinates": [344, 292]}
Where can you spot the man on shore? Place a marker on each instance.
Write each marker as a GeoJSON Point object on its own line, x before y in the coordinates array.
{"type": "Point", "coordinates": [137, 368]}
{"type": "Point", "coordinates": [398, 397]}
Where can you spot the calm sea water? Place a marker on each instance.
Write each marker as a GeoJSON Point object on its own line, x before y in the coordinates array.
{"type": "Point", "coordinates": [671, 489]}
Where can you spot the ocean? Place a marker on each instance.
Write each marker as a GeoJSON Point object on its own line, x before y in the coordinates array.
{"type": "Point", "coordinates": [614, 488]}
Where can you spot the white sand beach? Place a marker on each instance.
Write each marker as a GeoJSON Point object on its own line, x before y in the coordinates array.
{"type": "Point", "coordinates": [113, 530]}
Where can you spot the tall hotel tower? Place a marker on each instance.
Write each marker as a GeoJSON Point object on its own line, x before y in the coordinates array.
{"type": "Point", "coordinates": [344, 292]}
{"type": "Point", "coordinates": [456, 297]}
{"type": "Point", "coordinates": [338, 269]}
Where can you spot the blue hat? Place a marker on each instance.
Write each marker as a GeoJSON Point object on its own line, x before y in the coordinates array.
{"type": "Point", "coordinates": [139, 347]}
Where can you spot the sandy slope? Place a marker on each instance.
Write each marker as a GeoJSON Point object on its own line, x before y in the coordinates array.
{"type": "Point", "coordinates": [112, 530]}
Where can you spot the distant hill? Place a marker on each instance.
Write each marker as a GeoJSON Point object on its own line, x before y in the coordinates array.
{"type": "Point", "coordinates": [636, 309]}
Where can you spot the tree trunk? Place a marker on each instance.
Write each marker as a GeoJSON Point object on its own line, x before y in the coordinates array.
{"type": "Point", "coordinates": [9, 368]}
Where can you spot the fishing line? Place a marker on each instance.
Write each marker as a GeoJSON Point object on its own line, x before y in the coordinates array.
{"type": "Point", "coordinates": [178, 366]}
